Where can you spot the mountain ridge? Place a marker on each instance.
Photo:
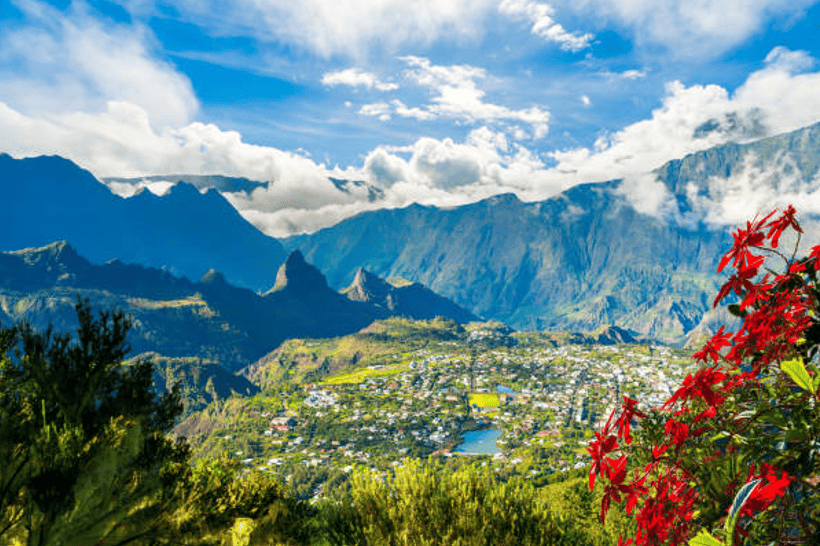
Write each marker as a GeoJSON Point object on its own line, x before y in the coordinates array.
{"type": "Point", "coordinates": [174, 316]}
{"type": "Point", "coordinates": [184, 231]}
{"type": "Point", "coordinates": [583, 258]}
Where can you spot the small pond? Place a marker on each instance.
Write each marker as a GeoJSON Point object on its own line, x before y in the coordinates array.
{"type": "Point", "coordinates": [480, 442]}
{"type": "Point", "coordinates": [504, 390]}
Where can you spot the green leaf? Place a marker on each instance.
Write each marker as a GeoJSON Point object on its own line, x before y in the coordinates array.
{"type": "Point", "coordinates": [797, 371]}
{"type": "Point", "coordinates": [740, 499]}
{"type": "Point", "coordinates": [736, 311]}
{"type": "Point", "coordinates": [705, 539]}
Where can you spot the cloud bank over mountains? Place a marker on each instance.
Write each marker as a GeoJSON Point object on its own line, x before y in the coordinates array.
{"type": "Point", "coordinates": [104, 94]}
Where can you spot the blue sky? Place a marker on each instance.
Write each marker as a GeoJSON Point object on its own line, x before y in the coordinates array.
{"type": "Point", "coordinates": [434, 101]}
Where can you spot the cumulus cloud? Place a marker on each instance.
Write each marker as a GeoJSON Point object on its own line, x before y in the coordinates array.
{"type": "Point", "coordinates": [124, 139]}
{"type": "Point", "coordinates": [696, 28]}
{"type": "Point", "coordinates": [342, 27]}
{"type": "Point", "coordinates": [380, 110]}
{"type": "Point", "coordinates": [121, 141]}
{"type": "Point", "coordinates": [754, 188]}
{"type": "Point", "coordinates": [355, 77]}
{"type": "Point", "coordinates": [631, 74]}
{"type": "Point", "coordinates": [485, 164]}
{"type": "Point", "coordinates": [456, 95]}
{"type": "Point", "coordinates": [58, 62]}
{"type": "Point", "coordinates": [775, 99]}
{"type": "Point", "coordinates": [543, 25]}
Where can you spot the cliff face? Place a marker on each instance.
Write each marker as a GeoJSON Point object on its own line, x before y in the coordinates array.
{"type": "Point", "coordinates": [591, 256]}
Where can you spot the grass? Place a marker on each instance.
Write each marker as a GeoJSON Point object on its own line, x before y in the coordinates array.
{"type": "Point", "coordinates": [484, 400]}
{"type": "Point", "coordinates": [361, 374]}
{"type": "Point", "coordinates": [167, 304]}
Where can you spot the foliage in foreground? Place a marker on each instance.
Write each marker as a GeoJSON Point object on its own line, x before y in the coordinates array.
{"type": "Point", "coordinates": [85, 457]}
{"type": "Point", "coordinates": [422, 504]}
{"type": "Point", "coordinates": [733, 457]}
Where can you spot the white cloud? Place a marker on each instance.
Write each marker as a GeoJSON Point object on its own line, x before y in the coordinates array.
{"type": "Point", "coordinates": [754, 189]}
{"type": "Point", "coordinates": [631, 74]}
{"type": "Point", "coordinates": [694, 28]}
{"type": "Point", "coordinates": [543, 24]}
{"type": "Point", "coordinates": [484, 164]}
{"type": "Point", "coordinates": [649, 196]}
{"type": "Point", "coordinates": [59, 62]}
{"type": "Point", "coordinates": [585, 100]}
{"type": "Point", "coordinates": [772, 100]}
{"type": "Point", "coordinates": [404, 111]}
{"type": "Point", "coordinates": [355, 77]}
{"type": "Point", "coordinates": [343, 27]}
{"type": "Point", "coordinates": [380, 110]}
{"type": "Point", "coordinates": [122, 142]}
{"type": "Point", "coordinates": [456, 96]}
{"type": "Point", "coordinates": [129, 189]}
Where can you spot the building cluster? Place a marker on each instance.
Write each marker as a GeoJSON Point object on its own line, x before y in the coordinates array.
{"type": "Point", "coordinates": [542, 398]}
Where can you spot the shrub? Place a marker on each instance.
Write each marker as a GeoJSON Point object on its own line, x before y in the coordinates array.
{"type": "Point", "coordinates": [734, 453]}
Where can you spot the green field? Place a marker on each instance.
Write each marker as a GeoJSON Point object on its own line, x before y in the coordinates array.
{"type": "Point", "coordinates": [484, 400]}
{"type": "Point", "coordinates": [358, 376]}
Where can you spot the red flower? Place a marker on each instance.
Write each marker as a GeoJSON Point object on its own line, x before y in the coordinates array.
{"type": "Point", "coordinates": [750, 237]}
{"type": "Point", "coordinates": [772, 485]}
{"type": "Point", "coordinates": [700, 386]}
{"type": "Point", "coordinates": [778, 225]}
{"type": "Point", "coordinates": [630, 410]}
{"type": "Point", "coordinates": [679, 432]}
{"type": "Point", "coordinates": [814, 254]}
{"type": "Point", "coordinates": [598, 449]}
{"type": "Point", "coordinates": [711, 350]}
{"type": "Point", "coordinates": [741, 281]}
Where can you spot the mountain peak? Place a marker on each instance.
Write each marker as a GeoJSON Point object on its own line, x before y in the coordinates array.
{"type": "Point", "coordinates": [212, 277]}
{"type": "Point", "coordinates": [402, 297]}
{"type": "Point", "coordinates": [55, 263]}
{"type": "Point", "coordinates": [181, 189]}
{"type": "Point", "coordinates": [367, 287]}
{"type": "Point", "coordinates": [298, 276]}
{"type": "Point", "coordinates": [58, 253]}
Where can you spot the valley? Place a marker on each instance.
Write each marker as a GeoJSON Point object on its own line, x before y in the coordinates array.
{"type": "Point", "coordinates": [419, 398]}
{"type": "Point", "coordinates": [409, 273]}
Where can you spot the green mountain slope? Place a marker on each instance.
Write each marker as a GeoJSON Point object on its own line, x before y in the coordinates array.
{"type": "Point", "coordinates": [586, 257]}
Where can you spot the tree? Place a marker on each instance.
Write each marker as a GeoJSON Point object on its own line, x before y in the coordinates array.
{"type": "Point", "coordinates": [84, 452]}
{"type": "Point", "coordinates": [422, 504]}
{"type": "Point", "coordinates": [735, 451]}
{"type": "Point", "coordinates": [216, 501]}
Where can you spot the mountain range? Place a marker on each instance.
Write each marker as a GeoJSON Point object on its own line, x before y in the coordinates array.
{"type": "Point", "coordinates": [638, 253]}
{"type": "Point", "coordinates": [593, 255]}
{"type": "Point", "coordinates": [48, 199]}
{"type": "Point", "coordinates": [209, 319]}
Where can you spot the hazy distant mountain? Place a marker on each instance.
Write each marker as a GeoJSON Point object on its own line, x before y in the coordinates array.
{"type": "Point", "coordinates": [186, 232]}
{"type": "Point", "coordinates": [584, 258]}
{"type": "Point", "coordinates": [233, 184]}
{"type": "Point", "coordinates": [307, 307]}
{"type": "Point", "coordinates": [171, 316]}
{"type": "Point", "coordinates": [201, 182]}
